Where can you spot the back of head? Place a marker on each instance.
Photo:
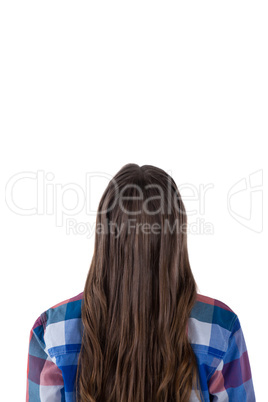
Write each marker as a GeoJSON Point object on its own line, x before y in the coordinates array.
{"type": "Point", "coordinates": [138, 295]}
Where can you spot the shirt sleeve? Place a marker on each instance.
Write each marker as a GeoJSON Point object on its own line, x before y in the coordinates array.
{"type": "Point", "coordinates": [232, 379]}
{"type": "Point", "coordinates": [44, 378]}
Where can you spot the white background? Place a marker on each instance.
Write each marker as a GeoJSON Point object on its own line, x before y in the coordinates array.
{"type": "Point", "coordinates": [90, 86]}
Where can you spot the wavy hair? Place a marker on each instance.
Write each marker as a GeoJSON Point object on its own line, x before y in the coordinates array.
{"type": "Point", "coordinates": [138, 295]}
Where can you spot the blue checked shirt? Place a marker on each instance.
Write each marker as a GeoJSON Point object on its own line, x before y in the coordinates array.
{"type": "Point", "coordinates": [214, 332]}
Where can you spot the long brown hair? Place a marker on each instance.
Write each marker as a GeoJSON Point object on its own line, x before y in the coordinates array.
{"type": "Point", "coordinates": [138, 295]}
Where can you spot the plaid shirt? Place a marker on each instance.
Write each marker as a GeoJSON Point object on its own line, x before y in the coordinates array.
{"type": "Point", "coordinates": [214, 332]}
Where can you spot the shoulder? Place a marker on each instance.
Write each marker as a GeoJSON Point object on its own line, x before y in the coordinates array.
{"type": "Point", "coordinates": [63, 310]}
{"type": "Point", "coordinates": [60, 326]}
{"type": "Point", "coordinates": [210, 325]}
{"type": "Point", "coordinates": [213, 311]}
